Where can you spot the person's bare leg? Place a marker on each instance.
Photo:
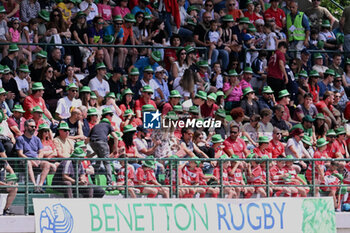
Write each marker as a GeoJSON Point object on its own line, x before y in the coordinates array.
{"type": "Point", "coordinates": [10, 197]}
{"type": "Point", "coordinates": [45, 166]}
{"type": "Point", "coordinates": [31, 172]}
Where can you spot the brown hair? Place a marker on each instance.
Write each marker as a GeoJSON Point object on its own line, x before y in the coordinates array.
{"type": "Point", "coordinates": [237, 112]}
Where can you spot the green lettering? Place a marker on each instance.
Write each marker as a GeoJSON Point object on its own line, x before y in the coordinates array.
{"type": "Point", "coordinates": [189, 217]}
{"type": "Point", "coordinates": [129, 222]}
{"type": "Point", "coordinates": [151, 209]}
{"type": "Point", "coordinates": [137, 217]}
{"type": "Point", "coordinates": [108, 217]}
{"type": "Point", "coordinates": [205, 223]}
{"type": "Point", "coordinates": [95, 216]}
{"type": "Point", "coordinates": [167, 213]}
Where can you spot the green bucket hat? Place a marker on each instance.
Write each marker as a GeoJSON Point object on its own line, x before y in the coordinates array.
{"type": "Point", "coordinates": [13, 48]}
{"type": "Point", "coordinates": [130, 18]}
{"type": "Point", "coordinates": [2, 91]}
{"type": "Point", "coordinates": [248, 70]}
{"type": "Point", "coordinates": [85, 89]}
{"type": "Point", "coordinates": [37, 109]}
{"type": "Point", "coordinates": [108, 39]}
{"type": "Point", "coordinates": [326, 23]}
{"type": "Point", "coordinates": [6, 70]}
{"type": "Point", "coordinates": [18, 108]}
{"type": "Point", "coordinates": [314, 73]}
{"type": "Point", "coordinates": [171, 115]}
{"type": "Point", "coordinates": [148, 69]}
{"type": "Point", "coordinates": [321, 142]}
{"type": "Point", "coordinates": [251, 28]}
{"type": "Point", "coordinates": [203, 64]}
{"type": "Point", "coordinates": [147, 16]}
{"type": "Point", "coordinates": [224, 156]}
{"type": "Point", "coordinates": [330, 132]}
{"type": "Point", "coordinates": [221, 113]}
{"type": "Point", "coordinates": [212, 96]}
{"type": "Point", "coordinates": [110, 95]}
{"type": "Point", "coordinates": [175, 94]}
{"type": "Point", "coordinates": [320, 116]}
{"type": "Point", "coordinates": [194, 109]}
{"type": "Point", "coordinates": [247, 90]}
{"type": "Point", "coordinates": [264, 139]}
{"type": "Point", "coordinates": [283, 93]}
{"type": "Point", "coordinates": [147, 88]}
{"type": "Point", "coordinates": [156, 55]}
{"type": "Point", "coordinates": [177, 108]}
{"type": "Point", "coordinates": [189, 49]}
{"type": "Point", "coordinates": [148, 108]}
{"type": "Point", "coordinates": [244, 20]}
{"type": "Point", "coordinates": [227, 18]}
{"type": "Point", "coordinates": [93, 95]}
{"type": "Point", "coordinates": [127, 91]}
{"type": "Point", "coordinates": [307, 140]}
{"type": "Point", "coordinates": [78, 153]}
{"type": "Point", "coordinates": [220, 93]}
{"type": "Point", "coordinates": [217, 139]}
{"type": "Point", "coordinates": [267, 90]}
{"type": "Point", "coordinates": [43, 127]}
{"type": "Point", "coordinates": [317, 56]}
{"type": "Point", "coordinates": [308, 118]}
{"type": "Point", "coordinates": [340, 131]}
{"type": "Point", "coordinates": [149, 163]}
{"type": "Point", "coordinates": [134, 71]}
{"type": "Point", "coordinates": [79, 14]}
{"type": "Point", "coordinates": [128, 112]}
{"type": "Point", "coordinates": [129, 128]}
{"type": "Point", "coordinates": [105, 120]}
{"type": "Point", "coordinates": [42, 54]}
{"type": "Point", "coordinates": [192, 8]}
{"type": "Point", "coordinates": [45, 15]}
{"type": "Point", "coordinates": [117, 18]}
{"type": "Point", "coordinates": [330, 72]}
{"type": "Point", "coordinates": [202, 95]}
{"type": "Point", "coordinates": [11, 177]}
{"type": "Point", "coordinates": [107, 110]}
{"type": "Point", "coordinates": [92, 112]}
{"type": "Point", "coordinates": [64, 126]}
{"type": "Point", "coordinates": [100, 66]}
{"type": "Point", "coordinates": [303, 73]}
{"type": "Point", "coordinates": [79, 144]}
{"type": "Point", "coordinates": [24, 68]}
{"type": "Point", "coordinates": [72, 86]}
{"type": "Point", "coordinates": [2, 9]}
{"type": "Point", "coordinates": [232, 73]}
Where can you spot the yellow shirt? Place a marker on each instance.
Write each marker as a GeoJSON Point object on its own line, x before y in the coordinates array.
{"type": "Point", "coordinates": [66, 13]}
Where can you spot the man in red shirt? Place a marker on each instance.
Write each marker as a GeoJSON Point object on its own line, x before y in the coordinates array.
{"type": "Point", "coordinates": [145, 98]}
{"type": "Point", "coordinates": [235, 145]}
{"type": "Point", "coordinates": [326, 107]}
{"type": "Point", "coordinates": [16, 121]}
{"type": "Point", "coordinates": [276, 75]}
{"type": "Point", "coordinates": [276, 148]}
{"type": "Point", "coordinates": [277, 14]}
{"type": "Point", "coordinates": [36, 99]}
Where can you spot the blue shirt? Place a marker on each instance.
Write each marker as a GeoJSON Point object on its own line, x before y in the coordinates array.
{"type": "Point", "coordinates": [164, 87]}
{"type": "Point", "coordinates": [323, 88]}
{"type": "Point", "coordinates": [29, 146]}
{"type": "Point", "coordinates": [142, 63]}
{"type": "Point", "coordinates": [138, 9]}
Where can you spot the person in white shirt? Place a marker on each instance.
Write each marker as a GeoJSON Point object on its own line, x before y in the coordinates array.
{"type": "Point", "coordinates": [65, 104]}
{"type": "Point", "coordinates": [148, 80]}
{"type": "Point", "coordinates": [98, 84]}
{"type": "Point", "coordinates": [90, 9]}
{"type": "Point", "coordinates": [23, 79]}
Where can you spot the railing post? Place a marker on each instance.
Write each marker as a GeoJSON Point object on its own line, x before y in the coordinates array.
{"type": "Point", "coordinates": [170, 163]}
{"type": "Point", "coordinates": [26, 195]}
{"type": "Point", "coordinates": [177, 180]}
{"type": "Point", "coordinates": [313, 178]}
{"type": "Point", "coordinates": [267, 178]}
{"type": "Point", "coordinates": [77, 177]}
{"type": "Point", "coordinates": [222, 194]}
{"type": "Point", "coordinates": [126, 165]}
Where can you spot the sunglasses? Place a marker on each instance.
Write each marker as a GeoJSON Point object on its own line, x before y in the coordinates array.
{"type": "Point", "coordinates": [278, 133]}
{"type": "Point", "coordinates": [74, 90]}
{"type": "Point", "coordinates": [32, 126]}
{"type": "Point", "coordinates": [231, 4]}
{"type": "Point", "coordinates": [16, 23]}
{"type": "Point", "coordinates": [183, 53]}
{"type": "Point", "coordinates": [56, 15]}
{"type": "Point", "coordinates": [210, 5]}
{"type": "Point", "coordinates": [50, 71]}
{"type": "Point", "coordinates": [100, 23]}
{"type": "Point", "coordinates": [234, 132]}
{"type": "Point", "coordinates": [149, 93]}
{"type": "Point", "coordinates": [119, 24]}
{"type": "Point", "coordinates": [338, 80]}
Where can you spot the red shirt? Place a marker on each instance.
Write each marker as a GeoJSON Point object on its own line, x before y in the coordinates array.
{"type": "Point", "coordinates": [143, 176]}
{"type": "Point", "coordinates": [277, 14]}
{"type": "Point", "coordinates": [216, 173]}
{"type": "Point", "coordinates": [339, 145]}
{"type": "Point", "coordinates": [321, 105]}
{"type": "Point", "coordinates": [237, 146]}
{"type": "Point", "coordinates": [190, 176]}
{"type": "Point", "coordinates": [140, 102]}
{"type": "Point", "coordinates": [275, 171]}
{"type": "Point", "coordinates": [168, 53]}
{"type": "Point", "coordinates": [346, 173]}
{"type": "Point", "coordinates": [236, 177]}
{"type": "Point", "coordinates": [257, 176]}
{"type": "Point", "coordinates": [274, 67]}
{"type": "Point", "coordinates": [167, 108]}
{"type": "Point", "coordinates": [30, 102]}
{"type": "Point", "coordinates": [314, 91]}
{"type": "Point", "coordinates": [207, 111]}
{"type": "Point", "coordinates": [11, 122]}
{"type": "Point", "coordinates": [317, 155]}
{"type": "Point", "coordinates": [261, 153]}
{"type": "Point", "coordinates": [276, 149]}
{"type": "Point", "coordinates": [252, 17]}
{"type": "Point", "coordinates": [121, 175]}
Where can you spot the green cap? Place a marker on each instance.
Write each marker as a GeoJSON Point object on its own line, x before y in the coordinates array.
{"type": "Point", "coordinates": [2, 91]}
{"type": "Point", "coordinates": [321, 142]}
{"type": "Point", "coordinates": [72, 86]}
{"type": "Point", "coordinates": [320, 116]}
{"type": "Point", "coordinates": [264, 139]}
{"type": "Point", "coordinates": [248, 70]}
{"type": "Point", "coordinates": [220, 93]}
{"type": "Point", "coordinates": [85, 89]}
{"type": "Point", "coordinates": [148, 108]}
{"type": "Point", "coordinates": [330, 72]}
{"type": "Point", "coordinates": [202, 95]}
{"type": "Point", "coordinates": [217, 139]}
{"type": "Point", "coordinates": [303, 73]}
{"type": "Point", "coordinates": [232, 73]}
{"type": "Point", "coordinates": [100, 66]}
{"type": "Point", "coordinates": [2, 9]}
{"type": "Point", "coordinates": [37, 109]}
{"type": "Point", "coordinates": [79, 14]}
{"type": "Point", "coordinates": [156, 55]}
{"type": "Point", "coordinates": [79, 144]}
{"type": "Point", "coordinates": [42, 54]}
{"type": "Point", "coordinates": [107, 110]}
{"type": "Point", "coordinates": [189, 49]}
{"type": "Point", "coordinates": [308, 118]}
{"type": "Point", "coordinates": [283, 93]}
{"type": "Point", "coordinates": [171, 115]}
{"type": "Point", "coordinates": [18, 108]}
{"type": "Point", "coordinates": [108, 39]}
{"type": "Point", "coordinates": [314, 73]}
{"type": "Point", "coordinates": [117, 18]}
{"type": "Point", "coordinates": [149, 163]}
{"type": "Point", "coordinates": [148, 69]}
{"type": "Point", "coordinates": [247, 90]}
{"type": "Point", "coordinates": [331, 132]}
{"type": "Point", "coordinates": [224, 156]}
{"type": "Point", "coordinates": [177, 108]}
{"type": "Point", "coordinates": [147, 88]}
{"type": "Point", "coordinates": [6, 70]}
{"type": "Point", "coordinates": [251, 28]}
{"type": "Point", "coordinates": [78, 153]}
{"type": "Point", "coordinates": [127, 91]}
{"type": "Point", "coordinates": [129, 128]}
{"type": "Point", "coordinates": [326, 23]}
{"type": "Point", "coordinates": [45, 15]}
{"type": "Point", "coordinates": [192, 8]}
{"type": "Point", "coordinates": [11, 177]}
{"type": "Point", "coordinates": [64, 126]}
{"type": "Point", "coordinates": [307, 140]}
{"type": "Point", "coordinates": [203, 64]}
{"type": "Point", "coordinates": [227, 18]}
{"type": "Point", "coordinates": [93, 95]}
{"type": "Point", "coordinates": [130, 18]}
{"type": "Point", "coordinates": [92, 112]}
{"type": "Point", "coordinates": [212, 96]}
{"type": "Point", "coordinates": [134, 71]}
{"type": "Point", "coordinates": [110, 95]}
{"type": "Point", "coordinates": [24, 68]}
{"type": "Point", "coordinates": [221, 113]}
{"type": "Point", "coordinates": [194, 109]}
{"type": "Point", "coordinates": [267, 90]}
{"type": "Point", "coordinates": [244, 20]}
{"type": "Point", "coordinates": [317, 56]}
{"type": "Point", "coordinates": [128, 112]}
{"type": "Point", "coordinates": [175, 94]}
{"type": "Point", "coordinates": [13, 48]}
{"type": "Point", "coordinates": [105, 120]}
{"type": "Point", "coordinates": [43, 127]}
{"type": "Point", "coordinates": [340, 131]}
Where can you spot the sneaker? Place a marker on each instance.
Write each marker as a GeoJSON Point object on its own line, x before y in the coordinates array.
{"type": "Point", "coordinates": [7, 212]}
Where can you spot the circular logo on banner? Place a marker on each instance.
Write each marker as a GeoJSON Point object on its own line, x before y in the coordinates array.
{"type": "Point", "coordinates": [56, 219]}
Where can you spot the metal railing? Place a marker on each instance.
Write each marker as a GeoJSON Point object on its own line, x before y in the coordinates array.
{"type": "Point", "coordinates": [173, 164]}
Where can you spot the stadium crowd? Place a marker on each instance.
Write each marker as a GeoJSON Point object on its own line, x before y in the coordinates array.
{"type": "Point", "coordinates": [245, 64]}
